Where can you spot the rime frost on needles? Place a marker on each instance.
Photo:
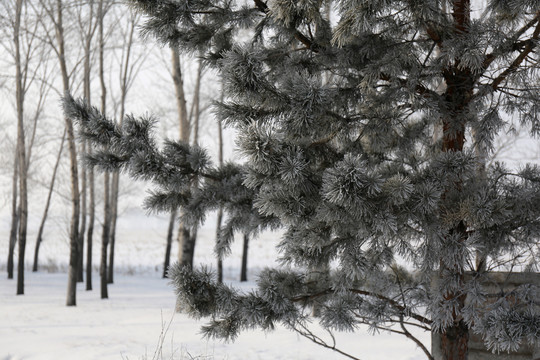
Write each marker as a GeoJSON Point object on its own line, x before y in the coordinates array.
{"type": "Point", "coordinates": [365, 127]}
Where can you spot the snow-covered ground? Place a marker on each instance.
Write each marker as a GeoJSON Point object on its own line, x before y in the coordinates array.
{"type": "Point", "coordinates": [140, 307]}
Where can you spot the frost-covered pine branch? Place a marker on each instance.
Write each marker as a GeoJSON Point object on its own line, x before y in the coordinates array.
{"type": "Point", "coordinates": [365, 127]}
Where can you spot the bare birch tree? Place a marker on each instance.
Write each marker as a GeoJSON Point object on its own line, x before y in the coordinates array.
{"type": "Point", "coordinates": [55, 13]}
{"type": "Point", "coordinates": [130, 65]}
{"type": "Point", "coordinates": [186, 243]}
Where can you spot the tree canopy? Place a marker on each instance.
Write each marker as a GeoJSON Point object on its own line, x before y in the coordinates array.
{"type": "Point", "coordinates": [365, 126]}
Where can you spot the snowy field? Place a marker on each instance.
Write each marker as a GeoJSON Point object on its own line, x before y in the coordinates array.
{"type": "Point", "coordinates": [129, 325]}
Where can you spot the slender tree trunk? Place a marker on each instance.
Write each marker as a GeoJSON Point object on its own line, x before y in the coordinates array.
{"type": "Point", "coordinates": [220, 211]}
{"type": "Point", "coordinates": [243, 270]}
{"type": "Point", "coordinates": [47, 204]}
{"type": "Point", "coordinates": [21, 150]}
{"type": "Point", "coordinates": [88, 180]}
{"type": "Point", "coordinates": [106, 177]}
{"type": "Point", "coordinates": [71, 298]}
{"type": "Point", "coordinates": [124, 77]}
{"type": "Point", "coordinates": [14, 216]}
{"type": "Point", "coordinates": [114, 217]}
{"type": "Point", "coordinates": [84, 173]}
{"type": "Point", "coordinates": [105, 237]}
{"type": "Point", "coordinates": [91, 220]}
{"type": "Point", "coordinates": [220, 259]}
{"type": "Point", "coordinates": [186, 243]}
{"type": "Point", "coordinates": [82, 230]}
{"type": "Point", "coordinates": [170, 231]}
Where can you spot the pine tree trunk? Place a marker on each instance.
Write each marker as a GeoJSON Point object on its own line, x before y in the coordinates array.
{"type": "Point", "coordinates": [243, 270]}
{"type": "Point", "coordinates": [170, 231]}
{"type": "Point", "coordinates": [47, 205]}
{"type": "Point", "coordinates": [14, 217]}
{"type": "Point", "coordinates": [459, 90]}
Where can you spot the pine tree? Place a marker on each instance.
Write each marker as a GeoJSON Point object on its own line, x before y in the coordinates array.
{"type": "Point", "coordinates": [364, 125]}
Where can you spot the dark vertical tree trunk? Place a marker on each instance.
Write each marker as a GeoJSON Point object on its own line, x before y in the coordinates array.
{"type": "Point", "coordinates": [170, 231]}
{"type": "Point", "coordinates": [82, 229]}
{"type": "Point", "coordinates": [88, 180]}
{"type": "Point", "coordinates": [14, 216]}
{"type": "Point", "coordinates": [91, 221]}
{"type": "Point", "coordinates": [47, 205]}
{"type": "Point", "coordinates": [21, 150]}
{"type": "Point", "coordinates": [105, 237]}
{"type": "Point", "coordinates": [106, 177]}
{"type": "Point", "coordinates": [71, 299]}
{"type": "Point", "coordinates": [88, 35]}
{"type": "Point", "coordinates": [220, 211]}
{"type": "Point", "coordinates": [220, 259]}
{"type": "Point", "coordinates": [124, 87]}
{"type": "Point", "coordinates": [112, 240]}
{"type": "Point", "coordinates": [243, 270]}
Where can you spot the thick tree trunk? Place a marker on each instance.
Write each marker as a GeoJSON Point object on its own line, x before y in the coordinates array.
{"type": "Point", "coordinates": [243, 270]}
{"type": "Point", "coordinates": [14, 216]}
{"type": "Point", "coordinates": [186, 247]}
{"type": "Point", "coordinates": [459, 90]}
{"type": "Point", "coordinates": [47, 205]}
{"type": "Point", "coordinates": [170, 231]}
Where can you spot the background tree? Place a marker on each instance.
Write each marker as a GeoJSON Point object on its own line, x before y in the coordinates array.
{"type": "Point", "coordinates": [349, 168]}
{"type": "Point", "coordinates": [55, 13]}
{"type": "Point", "coordinates": [130, 64]}
{"type": "Point", "coordinates": [29, 62]}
